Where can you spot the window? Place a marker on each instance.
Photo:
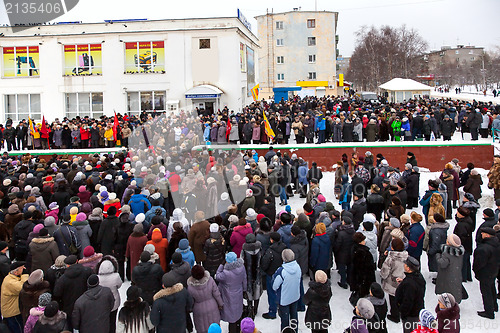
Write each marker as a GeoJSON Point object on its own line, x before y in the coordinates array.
{"type": "Point", "coordinates": [472, 59]}
{"type": "Point", "coordinates": [312, 58]}
{"type": "Point", "coordinates": [312, 76]}
{"type": "Point", "coordinates": [457, 52]}
{"type": "Point", "coordinates": [281, 77]}
{"type": "Point", "coordinates": [204, 44]}
{"type": "Point", "coordinates": [311, 23]}
{"type": "Point", "coordinates": [145, 101]}
{"type": "Point", "coordinates": [22, 106]}
{"type": "Point", "coordinates": [21, 61]}
{"type": "Point", "coordinates": [311, 41]}
{"type": "Point", "coordinates": [279, 42]}
{"type": "Point", "coordinates": [145, 57]}
{"type": "Point", "coordinates": [84, 104]}
{"type": "Point", "coordinates": [280, 60]}
{"type": "Point", "coordinates": [279, 25]}
{"type": "Point", "coordinates": [471, 52]}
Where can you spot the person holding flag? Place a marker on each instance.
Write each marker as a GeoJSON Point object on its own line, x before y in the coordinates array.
{"type": "Point", "coordinates": [44, 134]}
{"type": "Point", "coordinates": [267, 127]}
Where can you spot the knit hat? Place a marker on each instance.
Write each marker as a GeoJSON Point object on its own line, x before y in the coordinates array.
{"type": "Point", "coordinates": [51, 309]}
{"type": "Point", "coordinates": [247, 325]}
{"type": "Point", "coordinates": [149, 248]}
{"type": "Point", "coordinates": [395, 222]}
{"type": "Point", "coordinates": [214, 328]}
{"type": "Point", "coordinates": [231, 257]}
{"type": "Point", "coordinates": [448, 300]}
{"type": "Point", "coordinates": [454, 240]}
{"type": "Point", "coordinates": [66, 219]}
{"type": "Point", "coordinates": [93, 281]}
{"type": "Point", "coordinates": [287, 255]}
{"type": "Point", "coordinates": [397, 233]}
{"type": "Point", "coordinates": [412, 263]}
{"type": "Point", "coordinates": [285, 218]}
{"type": "Point", "coordinates": [35, 277]}
{"type": "Point", "coordinates": [43, 232]}
{"type": "Point", "coordinates": [81, 216]}
{"type": "Point", "coordinates": [397, 245]}
{"type": "Point", "coordinates": [71, 260]}
{"type": "Point", "coordinates": [365, 308]}
{"type": "Point", "coordinates": [88, 251]}
{"type": "Point", "coordinates": [197, 272]}
{"type": "Point", "coordinates": [145, 256]}
{"type": "Point", "coordinates": [250, 238]}
{"type": "Point", "coordinates": [321, 198]}
{"type": "Point", "coordinates": [489, 212]}
{"type": "Point", "coordinates": [214, 227]}
{"type": "Point", "coordinates": [126, 209]}
{"type": "Point", "coordinates": [44, 299]}
{"type": "Point", "coordinates": [140, 218]}
{"type": "Point", "coordinates": [320, 228]}
{"type": "Point", "coordinates": [248, 193]}
{"type": "Point", "coordinates": [369, 218]}
{"type": "Point", "coordinates": [37, 228]}
{"type": "Point", "coordinates": [251, 214]}
{"type": "Point", "coordinates": [320, 276]}
{"type": "Point", "coordinates": [133, 293]}
{"type": "Point", "coordinates": [53, 205]}
{"type": "Point", "coordinates": [138, 228]}
{"type": "Point", "coordinates": [168, 280]}
{"type": "Point", "coordinates": [405, 218]}
{"type": "Point", "coordinates": [427, 319]}
{"type": "Point", "coordinates": [82, 189]}
{"type": "Point", "coordinates": [59, 262]}
{"type": "Point", "coordinates": [376, 290]}
{"type": "Point", "coordinates": [224, 196]}
{"type": "Point", "coordinates": [183, 244]}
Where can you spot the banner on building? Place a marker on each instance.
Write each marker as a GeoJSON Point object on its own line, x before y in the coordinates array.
{"type": "Point", "coordinates": [145, 57]}
{"type": "Point", "coordinates": [255, 93]}
{"type": "Point", "coordinates": [85, 59]}
{"type": "Point", "coordinates": [250, 70]}
{"type": "Point", "coordinates": [21, 61]}
{"type": "Point", "coordinates": [243, 58]}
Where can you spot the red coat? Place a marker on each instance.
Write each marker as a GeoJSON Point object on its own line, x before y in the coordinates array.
{"type": "Point", "coordinates": [421, 329]}
{"type": "Point", "coordinates": [135, 246]}
{"type": "Point", "coordinates": [238, 237]}
{"type": "Point", "coordinates": [174, 181]}
{"type": "Point", "coordinates": [84, 134]}
{"type": "Point", "coordinates": [109, 203]}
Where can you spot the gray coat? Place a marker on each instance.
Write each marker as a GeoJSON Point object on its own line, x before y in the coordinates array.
{"type": "Point", "coordinates": [234, 134]}
{"type": "Point", "coordinates": [392, 269]}
{"type": "Point", "coordinates": [232, 280]}
{"type": "Point", "coordinates": [221, 134]}
{"type": "Point", "coordinates": [207, 300]}
{"type": "Point", "coordinates": [57, 138]}
{"type": "Point", "coordinates": [92, 310]}
{"type": "Point", "coordinates": [84, 233]}
{"type": "Point", "coordinates": [449, 278]}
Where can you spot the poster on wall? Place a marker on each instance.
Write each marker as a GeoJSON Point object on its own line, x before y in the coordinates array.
{"type": "Point", "coordinates": [21, 61]}
{"type": "Point", "coordinates": [243, 58]}
{"type": "Point", "coordinates": [250, 71]}
{"type": "Point", "coordinates": [83, 59]}
{"type": "Point", "coordinates": [144, 57]}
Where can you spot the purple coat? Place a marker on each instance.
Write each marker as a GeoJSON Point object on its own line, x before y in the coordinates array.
{"type": "Point", "coordinates": [232, 280]}
{"type": "Point", "coordinates": [207, 300]}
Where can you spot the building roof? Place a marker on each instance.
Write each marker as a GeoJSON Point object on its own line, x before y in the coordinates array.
{"type": "Point", "coordinates": [299, 11]}
{"type": "Point", "coordinates": [399, 84]}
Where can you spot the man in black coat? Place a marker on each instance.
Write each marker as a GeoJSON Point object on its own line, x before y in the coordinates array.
{"type": "Point", "coordinates": [358, 209]}
{"type": "Point", "coordinates": [71, 285]}
{"type": "Point", "coordinates": [93, 308]}
{"type": "Point", "coordinates": [473, 121]}
{"type": "Point", "coordinates": [314, 173]}
{"type": "Point", "coordinates": [363, 268]}
{"type": "Point", "coordinates": [269, 209]}
{"type": "Point", "coordinates": [342, 248]}
{"type": "Point", "coordinates": [412, 191]}
{"type": "Point", "coordinates": [270, 262]}
{"type": "Point", "coordinates": [410, 294]}
{"type": "Point", "coordinates": [147, 276]}
{"type": "Point", "coordinates": [106, 231]}
{"type": "Point", "coordinates": [485, 267]}
{"type": "Point", "coordinates": [464, 229]}
{"type": "Point", "coordinates": [4, 261]}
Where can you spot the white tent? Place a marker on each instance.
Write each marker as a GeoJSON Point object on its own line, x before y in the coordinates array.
{"type": "Point", "coordinates": [400, 90]}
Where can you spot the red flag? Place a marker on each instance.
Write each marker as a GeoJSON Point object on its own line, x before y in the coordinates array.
{"type": "Point", "coordinates": [115, 127]}
{"type": "Point", "coordinates": [228, 128]}
{"type": "Point", "coordinates": [44, 131]}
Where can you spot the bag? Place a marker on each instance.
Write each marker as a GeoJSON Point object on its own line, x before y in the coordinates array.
{"type": "Point", "coordinates": [248, 311]}
{"type": "Point", "coordinates": [71, 247]}
{"type": "Point", "coordinates": [300, 132]}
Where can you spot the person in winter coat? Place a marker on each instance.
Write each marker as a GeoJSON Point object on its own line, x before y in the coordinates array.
{"type": "Point", "coordinates": [214, 249]}
{"type": "Point", "coordinates": [251, 255]}
{"type": "Point", "coordinates": [232, 279]}
{"type": "Point", "coordinates": [342, 250]}
{"type": "Point", "coordinates": [35, 312]}
{"type": "Point", "coordinates": [161, 247]}
{"type": "Point", "coordinates": [185, 250]}
{"type": "Point", "coordinates": [31, 291]}
{"type": "Point", "coordinates": [147, 276]}
{"type": "Point", "coordinates": [95, 219]}
{"type": "Point", "coordinates": [135, 245]}
{"type": "Point", "coordinates": [134, 316]}
{"type": "Point", "coordinates": [238, 236]}
{"type": "Point", "coordinates": [464, 229]}
{"type": "Point", "coordinates": [207, 300]}
{"type": "Point", "coordinates": [107, 271]}
{"type": "Point", "coordinates": [437, 237]}
{"type": "Point", "coordinates": [108, 227]}
{"type": "Point", "coordinates": [20, 236]}
{"type": "Point", "coordinates": [198, 234]}
{"type": "Point", "coordinates": [50, 225]}
{"type": "Point", "coordinates": [425, 202]}
{"type": "Point", "coordinates": [375, 202]}
{"type": "Point", "coordinates": [317, 298]}
{"type": "Point", "coordinates": [55, 271]}
{"type": "Point", "coordinates": [51, 320]}
{"type": "Point", "coordinates": [371, 237]}
{"type": "Point", "coordinates": [270, 262]}
{"type": "Point", "coordinates": [71, 285]}
{"type": "Point", "coordinates": [319, 257]}
{"type": "Point", "coordinates": [180, 270]}
{"type": "Point", "coordinates": [358, 209]}
{"type": "Point", "coordinates": [44, 251]}
{"type": "Point", "coordinates": [83, 230]}
{"type": "Point", "coordinates": [393, 269]}
{"type": "Point", "coordinates": [377, 298]}
{"type": "Point", "coordinates": [90, 258]}
{"type": "Point", "coordinates": [410, 294]}
{"type": "Point", "coordinates": [300, 247]}
{"type": "Point", "coordinates": [489, 222]}
{"type": "Point", "coordinates": [11, 287]}
{"type": "Point", "coordinates": [447, 314]}
{"type": "Point", "coordinates": [449, 262]}
{"type": "Point", "coordinates": [473, 184]}
{"type": "Point", "coordinates": [364, 311]}
{"type": "Point", "coordinates": [363, 267]}
{"type": "Point", "coordinates": [93, 309]}
{"type": "Point", "coordinates": [427, 323]}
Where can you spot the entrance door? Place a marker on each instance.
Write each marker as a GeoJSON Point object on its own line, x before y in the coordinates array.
{"type": "Point", "coordinates": [209, 106]}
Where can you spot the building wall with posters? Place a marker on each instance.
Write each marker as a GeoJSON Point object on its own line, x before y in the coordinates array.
{"type": "Point", "coordinates": [298, 48]}
{"type": "Point", "coordinates": [95, 69]}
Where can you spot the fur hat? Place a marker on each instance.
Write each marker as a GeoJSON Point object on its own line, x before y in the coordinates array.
{"type": "Point", "coordinates": [489, 212]}
{"type": "Point", "coordinates": [405, 219]}
{"type": "Point", "coordinates": [59, 262]}
{"type": "Point", "coordinates": [197, 272]}
{"type": "Point", "coordinates": [287, 255]}
{"type": "Point", "coordinates": [454, 240]}
{"type": "Point", "coordinates": [397, 233]}
{"type": "Point", "coordinates": [140, 218]}
{"type": "Point", "coordinates": [35, 277]}
{"type": "Point", "coordinates": [251, 214]}
{"type": "Point", "coordinates": [320, 276]}
{"type": "Point", "coordinates": [395, 222]}
{"type": "Point", "coordinates": [365, 308]}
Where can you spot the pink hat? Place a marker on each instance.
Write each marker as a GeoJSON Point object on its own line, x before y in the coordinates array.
{"type": "Point", "coordinates": [37, 228]}
{"type": "Point", "coordinates": [81, 217]}
{"type": "Point", "coordinates": [88, 251]}
{"type": "Point", "coordinates": [82, 189]}
{"type": "Point", "coordinates": [321, 198]}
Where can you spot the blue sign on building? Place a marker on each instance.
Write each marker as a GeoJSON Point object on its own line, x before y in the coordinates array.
{"type": "Point", "coordinates": [244, 20]}
{"type": "Point", "coordinates": [202, 96]}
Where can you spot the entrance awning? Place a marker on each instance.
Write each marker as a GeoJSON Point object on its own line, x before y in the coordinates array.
{"type": "Point", "coordinates": [203, 91]}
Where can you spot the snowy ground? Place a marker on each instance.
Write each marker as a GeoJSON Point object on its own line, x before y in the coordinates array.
{"type": "Point", "coordinates": [467, 96]}
{"type": "Point", "coordinates": [340, 306]}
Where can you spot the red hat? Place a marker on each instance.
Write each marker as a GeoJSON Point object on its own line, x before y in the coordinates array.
{"type": "Point", "coordinates": [48, 179]}
{"type": "Point", "coordinates": [88, 251]}
{"type": "Point", "coordinates": [260, 217]}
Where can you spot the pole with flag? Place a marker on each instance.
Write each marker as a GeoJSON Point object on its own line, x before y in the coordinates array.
{"type": "Point", "coordinates": [255, 93]}
{"type": "Point", "coordinates": [228, 128]}
{"type": "Point", "coordinates": [44, 132]}
{"type": "Point", "coordinates": [32, 132]}
{"type": "Point", "coordinates": [267, 127]}
{"type": "Point", "coordinates": [115, 127]}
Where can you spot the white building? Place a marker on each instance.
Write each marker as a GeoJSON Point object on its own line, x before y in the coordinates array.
{"type": "Point", "coordinates": [126, 66]}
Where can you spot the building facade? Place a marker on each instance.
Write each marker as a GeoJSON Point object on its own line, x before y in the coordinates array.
{"type": "Point", "coordinates": [460, 56]}
{"type": "Point", "coordinates": [95, 69]}
{"type": "Point", "coordinates": [298, 48]}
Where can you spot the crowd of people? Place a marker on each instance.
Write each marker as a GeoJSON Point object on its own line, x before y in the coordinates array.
{"type": "Point", "coordinates": [307, 120]}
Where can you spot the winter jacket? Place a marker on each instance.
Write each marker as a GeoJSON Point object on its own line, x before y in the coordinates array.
{"type": "Point", "coordinates": [486, 259]}
{"type": "Point", "coordinates": [92, 310]}
{"type": "Point", "coordinates": [272, 260]}
{"type": "Point", "coordinates": [214, 249]}
{"type": "Point", "coordinates": [34, 314]}
{"type": "Point", "coordinates": [317, 298]}
{"type": "Point", "coordinates": [56, 324]}
{"type": "Point", "coordinates": [70, 286]}
{"type": "Point", "coordinates": [300, 247]}
{"type": "Point", "coordinates": [44, 252]}
{"type": "Point", "coordinates": [28, 297]}
{"type": "Point", "coordinates": [232, 279]}
{"type": "Point", "coordinates": [371, 243]}
{"type": "Point", "coordinates": [463, 229]}
{"type": "Point", "coordinates": [375, 205]}
{"type": "Point", "coordinates": [134, 317]}
{"type": "Point", "coordinates": [206, 302]}
{"type": "Point", "coordinates": [251, 255]}
{"type": "Point", "coordinates": [449, 278]}
{"type": "Point", "coordinates": [286, 282]}
{"type": "Point", "coordinates": [11, 287]}
{"type": "Point", "coordinates": [20, 236]}
{"type": "Point", "coordinates": [489, 222]}
{"type": "Point", "coordinates": [84, 233]}
{"type": "Point", "coordinates": [135, 247]}
{"type": "Point", "coordinates": [238, 237]}
{"type": "Point", "coordinates": [92, 261]}
{"type": "Point", "coordinates": [198, 234]}
{"type": "Point", "coordinates": [161, 246]}
{"type": "Point", "coordinates": [139, 203]}
{"type": "Point", "coordinates": [363, 269]}
{"type": "Point", "coordinates": [147, 276]}
{"type": "Point", "coordinates": [109, 277]}
{"type": "Point", "coordinates": [473, 186]}
{"type": "Point", "coordinates": [106, 236]}
{"type": "Point", "coordinates": [415, 237]}
{"type": "Point", "coordinates": [358, 210]}
{"type": "Point", "coordinates": [437, 237]}
{"type": "Point", "coordinates": [448, 319]}
{"type": "Point", "coordinates": [410, 295]}
{"type": "Point", "coordinates": [392, 269]}
{"type": "Point", "coordinates": [319, 258]}
{"type": "Point", "coordinates": [343, 244]}
{"type": "Point", "coordinates": [412, 184]}
{"type": "Point", "coordinates": [180, 272]}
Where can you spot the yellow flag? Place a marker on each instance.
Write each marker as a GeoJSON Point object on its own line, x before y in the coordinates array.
{"type": "Point", "coordinates": [267, 127]}
{"type": "Point", "coordinates": [32, 129]}
{"type": "Point", "coordinates": [341, 80]}
{"type": "Point", "coordinates": [255, 93]}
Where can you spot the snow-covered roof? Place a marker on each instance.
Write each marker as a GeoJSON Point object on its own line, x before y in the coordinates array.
{"type": "Point", "coordinates": [398, 84]}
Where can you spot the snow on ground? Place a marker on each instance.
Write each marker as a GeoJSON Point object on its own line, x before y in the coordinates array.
{"type": "Point", "coordinates": [340, 306]}
{"type": "Point", "coordinates": [467, 96]}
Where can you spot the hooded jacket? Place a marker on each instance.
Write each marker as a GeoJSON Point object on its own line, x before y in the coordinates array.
{"type": "Point", "coordinates": [286, 281]}
{"type": "Point", "coordinates": [320, 256]}
{"type": "Point", "coordinates": [109, 277]}
{"type": "Point", "coordinates": [214, 249]}
{"type": "Point", "coordinates": [92, 310]}
{"type": "Point", "coordinates": [238, 237]}
{"type": "Point", "coordinates": [170, 308]}
{"type": "Point", "coordinates": [207, 300]}
{"type": "Point", "coordinates": [317, 298]}
{"type": "Point", "coordinates": [300, 247]}
{"type": "Point", "coordinates": [449, 278]}
{"type": "Point", "coordinates": [56, 324]}
{"type": "Point", "coordinates": [161, 246]}
{"type": "Point", "coordinates": [44, 252]}
{"type": "Point", "coordinates": [251, 254]}
{"type": "Point", "coordinates": [393, 268]}
{"type": "Point", "coordinates": [147, 276]}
